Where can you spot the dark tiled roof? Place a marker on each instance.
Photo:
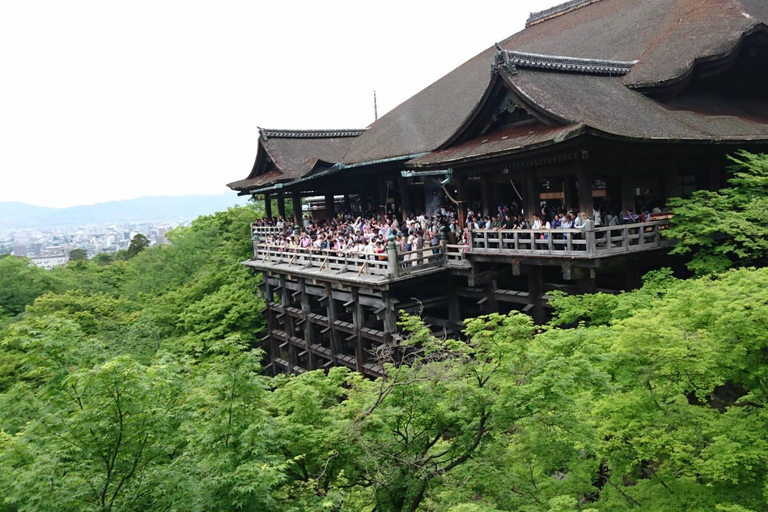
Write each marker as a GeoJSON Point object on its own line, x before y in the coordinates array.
{"type": "Point", "coordinates": [524, 136]}
{"type": "Point", "coordinates": [605, 104]}
{"type": "Point", "coordinates": [266, 134]}
{"type": "Point", "coordinates": [563, 64]}
{"type": "Point", "coordinates": [560, 57]}
{"type": "Point", "coordinates": [666, 37]}
{"type": "Point", "coordinates": [538, 17]}
{"type": "Point", "coordinates": [294, 153]}
{"type": "Point", "coordinates": [258, 181]}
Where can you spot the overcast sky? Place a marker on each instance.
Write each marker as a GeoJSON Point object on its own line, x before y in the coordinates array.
{"type": "Point", "coordinates": [104, 100]}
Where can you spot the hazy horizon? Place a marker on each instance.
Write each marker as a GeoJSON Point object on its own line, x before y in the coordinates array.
{"type": "Point", "coordinates": [103, 101]}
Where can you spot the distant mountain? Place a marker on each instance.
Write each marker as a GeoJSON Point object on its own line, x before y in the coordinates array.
{"type": "Point", "coordinates": [143, 209]}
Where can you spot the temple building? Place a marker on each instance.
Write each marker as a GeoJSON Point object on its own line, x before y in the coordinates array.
{"type": "Point", "coordinates": [596, 104]}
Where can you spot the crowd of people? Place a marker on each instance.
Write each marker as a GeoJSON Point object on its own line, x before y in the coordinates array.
{"type": "Point", "coordinates": [369, 233]}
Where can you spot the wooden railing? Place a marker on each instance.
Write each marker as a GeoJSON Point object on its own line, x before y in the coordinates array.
{"type": "Point", "coordinates": [420, 259]}
{"type": "Point", "coordinates": [323, 260]}
{"type": "Point", "coordinates": [571, 243]}
{"type": "Point", "coordinates": [584, 243]}
{"type": "Point", "coordinates": [261, 233]}
{"type": "Point", "coordinates": [456, 255]}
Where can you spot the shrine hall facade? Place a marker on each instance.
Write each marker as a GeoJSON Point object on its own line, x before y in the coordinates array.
{"type": "Point", "coordinates": [596, 104]}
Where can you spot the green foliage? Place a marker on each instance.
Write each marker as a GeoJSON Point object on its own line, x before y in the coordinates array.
{"type": "Point", "coordinates": [78, 255]}
{"type": "Point", "coordinates": [727, 227]}
{"type": "Point", "coordinates": [134, 385]}
{"type": "Point", "coordinates": [21, 283]}
{"type": "Point", "coordinates": [138, 243]}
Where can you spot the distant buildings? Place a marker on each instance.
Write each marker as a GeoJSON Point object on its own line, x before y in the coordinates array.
{"type": "Point", "coordinates": [49, 262]}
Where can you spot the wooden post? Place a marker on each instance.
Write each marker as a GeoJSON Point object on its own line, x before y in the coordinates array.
{"type": "Point", "coordinates": [568, 195]}
{"type": "Point", "coordinates": [405, 198]}
{"type": "Point", "coordinates": [331, 310]}
{"type": "Point", "coordinates": [584, 180]}
{"type": "Point", "coordinates": [392, 264]}
{"type": "Point", "coordinates": [670, 183]}
{"type": "Point", "coordinates": [281, 205]}
{"type": "Point", "coordinates": [390, 318]}
{"type": "Point", "coordinates": [268, 299]}
{"type": "Point", "coordinates": [586, 283]}
{"type": "Point", "coordinates": [296, 201]}
{"type": "Point", "coordinates": [382, 195]}
{"type": "Point", "coordinates": [531, 195]}
{"type": "Point", "coordinates": [268, 205]}
{"type": "Point", "coordinates": [461, 192]}
{"type": "Point", "coordinates": [591, 240]}
{"type": "Point", "coordinates": [358, 319]}
{"type": "Point", "coordinates": [289, 331]}
{"type": "Point", "coordinates": [309, 336]}
{"type": "Point", "coordinates": [627, 192]}
{"type": "Point", "coordinates": [330, 212]}
{"type": "Point", "coordinates": [535, 291]}
{"type": "Point", "coordinates": [485, 193]}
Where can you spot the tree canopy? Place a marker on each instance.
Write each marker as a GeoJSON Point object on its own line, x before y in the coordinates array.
{"type": "Point", "coordinates": [136, 384]}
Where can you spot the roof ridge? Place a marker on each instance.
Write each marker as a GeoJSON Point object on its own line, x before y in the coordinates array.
{"type": "Point", "coordinates": [572, 5]}
{"type": "Point", "coordinates": [513, 59]}
{"type": "Point", "coordinates": [266, 133]}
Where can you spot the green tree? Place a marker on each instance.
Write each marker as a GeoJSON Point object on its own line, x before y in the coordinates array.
{"type": "Point", "coordinates": [21, 283]}
{"type": "Point", "coordinates": [725, 227]}
{"type": "Point", "coordinates": [78, 254]}
{"type": "Point", "coordinates": [138, 243]}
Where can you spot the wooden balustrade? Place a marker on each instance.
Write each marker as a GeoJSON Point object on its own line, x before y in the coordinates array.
{"type": "Point", "coordinates": [571, 243]}
{"type": "Point", "coordinates": [261, 233]}
{"type": "Point", "coordinates": [456, 255]}
{"type": "Point", "coordinates": [583, 243]}
{"type": "Point", "coordinates": [322, 260]}
{"type": "Point", "coordinates": [420, 259]}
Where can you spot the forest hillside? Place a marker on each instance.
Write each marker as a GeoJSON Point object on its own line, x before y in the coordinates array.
{"type": "Point", "coordinates": [135, 384]}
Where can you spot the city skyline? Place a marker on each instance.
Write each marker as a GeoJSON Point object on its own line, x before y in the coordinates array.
{"type": "Point", "coordinates": [109, 102]}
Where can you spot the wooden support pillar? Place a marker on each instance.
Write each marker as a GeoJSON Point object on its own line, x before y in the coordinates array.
{"type": "Point", "coordinates": [670, 183]}
{"type": "Point", "coordinates": [461, 193]}
{"type": "Point", "coordinates": [273, 348]}
{"type": "Point", "coordinates": [331, 313]}
{"type": "Point", "coordinates": [535, 291]}
{"type": "Point", "coordinates": [290, 333]}
{"type": "Point", "coordinates": [330, 211]}
{"type": "Point", "coordinates": [296, 201]}
{"type": "Point", "coordinates": [568, 193]}
{"type": "Point", "coordinates": [490, 305]}
{"type": "Point", "coordinates": [531, 195]}
{"type": "Point", "coordinates": [454, 306]}
{"type": "Point", "coordinates": [309, 336]}
{"type": "Point", "coordinates": [627, 192]}
{"type": "Point", "coordinates": [268, 205]}
{"type": "Point", "coordinates": [382, 197]}
{"type": "Point", "coordinates": [281, 205]}
{"type": "Point", "coordinates": [358, 319]}
{"type": "Point", "coordinates": [584, 181]}
{"type": "Point", "coordinates": [586, 282]}
{"type": "Point", "coordinates": [633, 279]}
{"type": "Point", "coordinates": [485, 193]}
{"type": "Point", "coordinates": [405, 198]}
{"type": "Point", "coordinates": [390, 319]}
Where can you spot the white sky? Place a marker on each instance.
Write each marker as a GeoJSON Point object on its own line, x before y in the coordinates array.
{"type": "Point", "coordinates": [103, 100]}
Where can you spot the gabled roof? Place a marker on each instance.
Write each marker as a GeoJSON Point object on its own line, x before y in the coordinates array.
{"type": "Point", "coordinates": [286, 155]}
{"type": "Point", "coordinates": [582, 64]}
{"type": "Point", "coordinates": [666, 38]}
